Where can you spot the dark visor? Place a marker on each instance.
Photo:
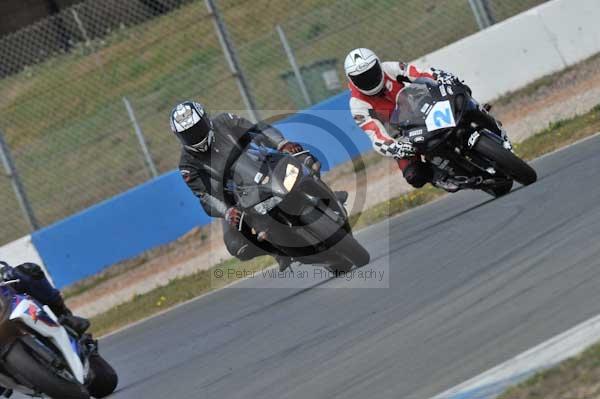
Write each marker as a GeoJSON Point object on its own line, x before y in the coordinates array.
{"type": "Point", "coordinates": [195, 134]}
{"type": "Point", "coordinates": [369, 79]}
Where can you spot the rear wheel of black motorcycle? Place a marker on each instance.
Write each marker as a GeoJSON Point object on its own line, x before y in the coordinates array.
{"type": "Point", "coordinates": [105, 378]}
{"type": "Point", "coordinates": [505, 160]}
{"type": "Point", "coordinates": [20, 362]}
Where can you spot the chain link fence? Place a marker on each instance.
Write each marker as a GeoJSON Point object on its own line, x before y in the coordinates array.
{"type": "Point", "coordinates": [64, 81]}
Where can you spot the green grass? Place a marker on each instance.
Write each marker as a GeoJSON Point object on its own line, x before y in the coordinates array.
{"type": "Point", "coordinates": [395, 206]}
{"type": "Point", "coordinates": [69, 132]}
{"type": "Point", "coordinates": [182, 289]}
{"type": "Point", "coordinates": [176, 291]}
{"type": "Point", "coordinates": [559, 134]}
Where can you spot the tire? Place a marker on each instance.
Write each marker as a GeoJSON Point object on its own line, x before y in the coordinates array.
{"type": "Point", "coordinates": [340, 243]}
{"type": "Point", "coordinates": [353, 251]}
{"type": "Point", "coordinates": [506, 161]}
{"type": "Point", "coordinates": [105, 378]}
{"type": "Point", "coordinates": [501, 190]}
{"type": "Point", "coordinates": [341, 267]}
{"type": "Point", "coordinates": [20, 362]}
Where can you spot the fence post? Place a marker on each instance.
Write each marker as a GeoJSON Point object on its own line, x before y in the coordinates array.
{"type": "Point", "coordinates": [483, 13]}
{"type": "Point", "coordinates": [140, 136]}
{"type": "Point", "coordinates": [232, 60]}
{"type": "Point", "coordinates": [15, 180]}
{"type": "Point", "coordinates": [80, 27]}
{"type": "Point", "coordinates": [86, 37]}
{"type": "Point", "coordinates": [292, 59]}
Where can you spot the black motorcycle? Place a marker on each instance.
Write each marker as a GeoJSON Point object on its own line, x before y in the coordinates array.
{"type": "Point", "coordinates": [451, 131]}
{"type": "Point", "coordinates": [290, 211]}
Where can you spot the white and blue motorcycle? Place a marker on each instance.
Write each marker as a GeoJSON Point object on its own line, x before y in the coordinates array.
{"type": "Point", "coordinates": [40, 357]}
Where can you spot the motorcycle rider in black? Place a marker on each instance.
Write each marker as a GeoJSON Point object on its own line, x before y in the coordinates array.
{"type": "Point", "coordinates": [210, 147]}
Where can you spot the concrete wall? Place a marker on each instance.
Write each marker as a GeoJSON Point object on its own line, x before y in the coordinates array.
{"type": "Point", "coordinates": [503, 58]}
{"type": "Point", "coordinates": [526, 47]}
{"type": "Point", "coordinates": [21, 251]}
{"type": "Point", "coordinates": [18, 14]}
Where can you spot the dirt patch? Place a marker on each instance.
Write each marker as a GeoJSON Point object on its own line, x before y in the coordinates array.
{"type": "Point", "coordinates": [197, 250]}
{"type": "Point", "coordinates": [551, 99]}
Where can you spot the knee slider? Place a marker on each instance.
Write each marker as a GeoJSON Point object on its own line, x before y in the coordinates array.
{"type": "Point", "coordinates": [237, 248]}
{"type": "Point", "coordinates": [416, 176]}
{"type": "Point", "coordinates": [244, 253]}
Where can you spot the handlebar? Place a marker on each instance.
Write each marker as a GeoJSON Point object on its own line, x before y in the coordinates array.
{"type": "Point", "coordinates": [9, 282]}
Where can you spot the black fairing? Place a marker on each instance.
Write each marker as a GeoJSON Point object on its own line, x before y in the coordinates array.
{"type": "Point", "coordinates": [441, 135]}
{"type": "Point", "coordinates": [257, 176]}
{"type": "Point", "coordinates": [416, 101]}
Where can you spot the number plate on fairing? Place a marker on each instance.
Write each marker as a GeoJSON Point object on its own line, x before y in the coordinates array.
{"type": "Point", "coordinates": [440, 117]}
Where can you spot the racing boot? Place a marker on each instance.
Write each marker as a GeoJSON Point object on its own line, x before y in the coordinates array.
{"type": "Point", "coordinates": [342, 196]}
{"type": "Point", "coordinates": [441, 180]}
{"type": "Point", "coordinates": [446, 184]}
{"type": "Point", "coordinates": [78, 324]}
{"type": "Point", "coordinates": [284, 262]}
{"type": "Point", "coordinates": [456, 183]}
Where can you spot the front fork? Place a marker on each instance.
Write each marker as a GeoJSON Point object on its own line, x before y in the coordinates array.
{"type": "Point", "coordinates": [483, 119]}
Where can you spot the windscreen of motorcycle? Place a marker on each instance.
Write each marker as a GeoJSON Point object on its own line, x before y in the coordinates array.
{"type": "Point", "coordinates": [421, 109]}
{"type": "Point", "coordinates": [249, 179]}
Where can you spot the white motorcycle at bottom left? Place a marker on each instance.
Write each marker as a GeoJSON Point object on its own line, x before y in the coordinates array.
{"type": "Point", "coordinates": [40, 357]}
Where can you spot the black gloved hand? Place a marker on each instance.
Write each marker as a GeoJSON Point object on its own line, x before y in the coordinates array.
{"type": "Point", "coordinates": [445, 78]}
{"type": "Point", "coordinates": [400, 149]}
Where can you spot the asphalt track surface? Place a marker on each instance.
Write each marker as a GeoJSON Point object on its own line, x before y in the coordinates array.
{"type": "Point", "coordinates": [472, 283]}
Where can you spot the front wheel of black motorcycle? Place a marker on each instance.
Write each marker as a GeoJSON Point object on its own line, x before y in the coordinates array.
{"type": "Point", "coordinates": [340, 267]}
{"type": "Point", "coordinates": [340, 242]}
{"type": "Point", "coordinates": [22, 363]}
{"type": "Point", "coordinates": [105, 378]}
{"type": "Point", "coordinates": [506, 161]}
{"type": "Point", "coordinates": [353, 251]}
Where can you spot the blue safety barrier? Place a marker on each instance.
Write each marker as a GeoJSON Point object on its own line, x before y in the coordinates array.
{"type": "Point", "coordinates": [328, 130]}
{"type": "Point", "coordinates": [164, 209]}
{"type": "Point", "coordinates": [122, 227]}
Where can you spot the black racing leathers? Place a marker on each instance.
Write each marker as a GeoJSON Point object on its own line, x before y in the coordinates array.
{"type": "Point", "coordinates": [204, 171]}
